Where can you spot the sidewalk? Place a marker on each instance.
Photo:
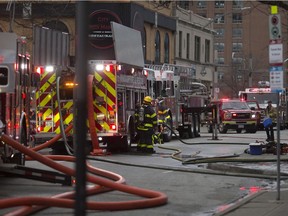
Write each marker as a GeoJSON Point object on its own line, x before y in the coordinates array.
{"type": "Point", "coordinates": [260, 204]}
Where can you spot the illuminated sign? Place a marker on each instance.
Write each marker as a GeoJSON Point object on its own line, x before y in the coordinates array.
{"type": "Point", "coordinates": [100, 32]}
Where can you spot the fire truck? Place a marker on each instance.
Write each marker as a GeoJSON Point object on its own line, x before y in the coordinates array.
{"type": "Point", "coordinates": [262, 95]}
{"type": "Point", "coordinates": [16, 82]}
{"type": "Point", "coordinates": [175, 83]}
{"type": "Point", "coordinates": [114, 89]}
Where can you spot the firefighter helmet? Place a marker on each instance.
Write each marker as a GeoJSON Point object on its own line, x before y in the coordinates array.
{"type": "Point", "coordinates": [147, 99]}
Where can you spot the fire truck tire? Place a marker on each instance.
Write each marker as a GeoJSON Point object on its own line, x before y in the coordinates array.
{"type": "Point", "coordinates": [167, 135]}
{"type": "Point", "coordinates": [131, 134]}
{"type": "Point", "coordinates": [191, 131]}
{"type": "Point", "coordinates": [222, 129]}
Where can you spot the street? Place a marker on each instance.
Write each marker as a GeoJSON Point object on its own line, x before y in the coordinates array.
{"type": "Point", "coordinates": [191, 189]}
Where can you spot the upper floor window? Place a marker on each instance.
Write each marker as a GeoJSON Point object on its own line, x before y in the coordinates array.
{"type": "Point", "coordinates": [188, 46]}
{"type": "Point", "coordinates": [220, 75]}
{"type": "Point", "coordinates": [166, 48]}
{"type": "Point", "coordinates": [219, 47]}
{"type": "Point", "coordinates": [180, 45]}
{"type": "Point", "coordinates": [237, 60]}
{"type": "Point", "coordinates": [237, 32]}
{"type": "Point", "coordinates": [219, 18]}
{"type": "Point", "coordinates": [197, 51]}
{"type": "Point", "coordinates": [237, 3]}
{"type": "Point", "coordinates": [56, 25]}
{"type": "Point", "coordinates": [220, 32]}
{"type": "Point", "coordinates": [221, 60]}
{"type": "Point", "coordinates": [203, 15]}
{"type": "Point", "coordinates": [237, 18]}
{"type": "Point", "coordinates": [183, 4]}
{"type": "Point", "coordinates": [157, 47]}
{"type": "Point", "coordinates": [219, 4]}
{"type": "Point", "coordinates": [201, 4]}
{"type": "Point", "coordinates": [236, 47]}
{"type": "Point", "coordinates": [207, 51]}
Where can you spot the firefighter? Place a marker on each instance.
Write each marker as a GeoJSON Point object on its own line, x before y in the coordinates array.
{"type": "Point", "coordinates": [146, 122]}
{"type": "Point", "coordinates": [271, 113]}
{"type": "Point", "coordinates": [163, 116]}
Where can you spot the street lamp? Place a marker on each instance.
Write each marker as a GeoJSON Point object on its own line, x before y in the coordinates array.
{"type": "Point", "coordinates": [223, 15]}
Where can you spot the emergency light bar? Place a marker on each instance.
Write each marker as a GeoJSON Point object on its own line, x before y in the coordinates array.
{"type": "Point", "coordinates": [258, 90]}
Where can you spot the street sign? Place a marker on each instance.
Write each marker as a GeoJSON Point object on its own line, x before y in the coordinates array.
{"type": "Point", "coordinates": [276, 78]}
{"type": "Point", "coordinates": [275, 53]}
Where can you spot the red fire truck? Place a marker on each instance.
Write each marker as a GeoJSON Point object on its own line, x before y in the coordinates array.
{"type": "Point", "coordinates": [16, 81]}
{"type": "Point", "coordinates": [178, 87]}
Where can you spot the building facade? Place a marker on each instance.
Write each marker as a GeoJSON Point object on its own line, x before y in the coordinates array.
{"type": "Point", "coordinates": [242, 41]}
{"type": "Point", "coordinates": [170, 34]}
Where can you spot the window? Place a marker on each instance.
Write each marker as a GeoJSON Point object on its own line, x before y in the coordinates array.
{"type": "Point", "coordinates": [237, 60]}
{"type": "Point", "coordinates": [157, 47]}
{"type": "Point", "coordinates": [219, 18]}
{"type": "Point", "coordinates": [197, 48]}
{"type": "Point", "coordinates": [203, 15]}
{"type": "Point", "coordinates": [57, 25]}
{"type": "Point", "coordinates": [237, 18]}
{"type": "Point", "coordinates": [237, 32]}
{"type": "Point", "coordinates": [220, 32]}
{"type": "Point", "coordinates": [166, 48]}
{"type": "Point", "coordinates": [237, 47]}
{"type": "Point", "coordinates": [221, 60]}
{"type": "Point", "coordinates": [180, 44]}
{"type": "Point", "coordinates": [201, 4]}
{"type": "Point", "coordinates": [220, 75]}
{"type": "Point", "coordinates": [219, 4]}
{"type": "Point", "coordinates": [219, 47]}
{"type": "Point", "coordinates": [188, 46]}
{"type": "Point", "coordinates": [183, 4]}
{"type": "Point", "coordinates": [237, 3]}
{"type": "Point", "coordinates": [207, 51]}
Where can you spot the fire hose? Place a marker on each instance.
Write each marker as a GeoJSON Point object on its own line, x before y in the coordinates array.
{"type": "Point", "coordinates": [65, 200]}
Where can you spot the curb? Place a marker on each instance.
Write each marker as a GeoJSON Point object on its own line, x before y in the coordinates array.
{"type": "Point", "coordinates": [240, 203]}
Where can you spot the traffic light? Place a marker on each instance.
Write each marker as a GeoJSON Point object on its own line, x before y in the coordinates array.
{"type": "Point", "coordinates": [275, 27]}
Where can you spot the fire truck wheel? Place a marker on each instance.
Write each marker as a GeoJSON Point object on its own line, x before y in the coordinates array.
{"type": "Point", "coordinates": [167, 135]}
{"type": "Point", "coordinates": [222, 128]}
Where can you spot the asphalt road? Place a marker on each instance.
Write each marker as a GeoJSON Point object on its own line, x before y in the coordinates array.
{"type": "Point", "coordinates": [191, 189]}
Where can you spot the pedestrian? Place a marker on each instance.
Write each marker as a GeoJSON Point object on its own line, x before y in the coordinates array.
{"type": "Point", "coordinates": [270, 113]}
{"type": "Point", "coordinates": [146, 123]}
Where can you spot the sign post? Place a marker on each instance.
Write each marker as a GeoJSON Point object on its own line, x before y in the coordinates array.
{"type": "Point", "coordinates": [276, 73]}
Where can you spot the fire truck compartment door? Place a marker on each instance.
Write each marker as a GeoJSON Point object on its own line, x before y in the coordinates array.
{"type": "Point", "coordinates": [7, 78]}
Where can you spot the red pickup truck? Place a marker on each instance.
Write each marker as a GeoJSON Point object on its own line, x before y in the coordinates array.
{"type": "Point", "coordinates": [234, 115]}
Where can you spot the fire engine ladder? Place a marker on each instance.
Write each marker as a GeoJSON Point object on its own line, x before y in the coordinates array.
{"type": "Point", "coordinates": [49, 105]}
{"type": "Point", "coordinates": [35, 174]}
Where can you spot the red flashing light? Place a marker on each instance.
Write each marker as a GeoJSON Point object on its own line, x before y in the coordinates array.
{"type": "Point", "coordinates": [109, 68]}
{"type": "Point", "coordinates": [39, 70]}
{"type": "Point", "coordinates": [112, 127]}
{"type": "Point", "coordinates": [146, 73]}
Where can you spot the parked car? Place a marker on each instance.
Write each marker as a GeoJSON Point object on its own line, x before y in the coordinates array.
{"type": "Point", "coordinates": [260, 112]}
{"type": "Point", "coordinates": [234, 115]}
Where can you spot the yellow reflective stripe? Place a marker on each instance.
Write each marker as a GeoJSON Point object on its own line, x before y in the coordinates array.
{"type": "Point", "coordinates": [106, 84]}
{"type": "Point", "coordinates": [150, 116]}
